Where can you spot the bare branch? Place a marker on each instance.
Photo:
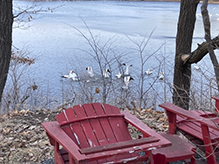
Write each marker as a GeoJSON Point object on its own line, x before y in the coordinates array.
{"type": "Point", "coordinates": [202, 50]}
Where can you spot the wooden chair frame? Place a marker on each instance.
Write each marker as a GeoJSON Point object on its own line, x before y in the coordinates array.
{"type": "Point", "coordinates": [98, 133]}
{"type": "Point", "coordinates": [198, 125]}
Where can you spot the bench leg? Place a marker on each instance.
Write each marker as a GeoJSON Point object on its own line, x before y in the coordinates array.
{"type": "Point", "coordinates": [179, 150]}
{"type": "Point", "coordinates": [209, 151]}
{"type": "Point", "coordinates": [172, 122]}
{"type": "Point", "coordinates": [192, 161]}
{"type": "Point", "coordinates": [159, 159]}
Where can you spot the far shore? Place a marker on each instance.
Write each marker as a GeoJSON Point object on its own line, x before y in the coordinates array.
{"type": "Point", "coordinates": [210, 1]}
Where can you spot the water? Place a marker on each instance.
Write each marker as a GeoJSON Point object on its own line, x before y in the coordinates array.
{"type": "Point", "coordinates": [58, 47]}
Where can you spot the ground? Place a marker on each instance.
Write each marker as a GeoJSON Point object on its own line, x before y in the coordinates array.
{"type": "Point", "coordinates": [23, 140]}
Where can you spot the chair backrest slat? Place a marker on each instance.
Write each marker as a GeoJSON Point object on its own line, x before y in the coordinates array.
{"type": "Point", "coordinates": [62, 117]}
{"type": "Point", "coordinates": [74, 131]}
{"type": "Point", "coordinates": [95, 124]}
{"type": "Point", "coordinates": [216, 109]}
{"type": "Point", "coordinates": [105, 123]}
{"type": "Point", "coordinates": [119, 127]}
{"type": "Point", "coordinates": [86, 126]}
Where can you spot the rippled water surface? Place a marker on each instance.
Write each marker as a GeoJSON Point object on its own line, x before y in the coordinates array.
{"type": "Point", "coordinates": [58, 47]}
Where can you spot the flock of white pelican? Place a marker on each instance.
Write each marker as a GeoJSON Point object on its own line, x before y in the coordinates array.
{"type": "Point", "coordinates": [107, 74]}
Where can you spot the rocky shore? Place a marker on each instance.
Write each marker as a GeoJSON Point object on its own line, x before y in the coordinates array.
{"type": "Point", "coordinates": [23, 140]}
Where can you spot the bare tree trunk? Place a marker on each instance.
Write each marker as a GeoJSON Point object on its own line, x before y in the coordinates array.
{"type": "Point", "coordinates": [6, 21]}
{"type": "Point", "coordinates": [182, 72]}
{"type": "Point", "coordinates": [207, 27]}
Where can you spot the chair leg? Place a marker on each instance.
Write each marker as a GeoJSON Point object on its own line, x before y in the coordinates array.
{"type": "Point", "coordinates": [209, 151]}
{"type": "Point", "coordinates": [58, 157]}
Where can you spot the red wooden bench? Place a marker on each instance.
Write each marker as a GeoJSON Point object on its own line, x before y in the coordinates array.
{"type": "Point", "coordinates": [98, 133]}
{"type": "Point", "coordinates": [180, 150]}
{"type": "Point", "coordinates": [199, 127]}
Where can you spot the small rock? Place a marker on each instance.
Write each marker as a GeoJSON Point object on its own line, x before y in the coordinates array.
{"type": "Point", "coordinates": [12, 149]}
{"type": "Point", "coordinates": [32, 127]}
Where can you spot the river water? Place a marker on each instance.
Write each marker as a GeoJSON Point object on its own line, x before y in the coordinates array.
{"type": "Point", "coordinates": [119, 27]}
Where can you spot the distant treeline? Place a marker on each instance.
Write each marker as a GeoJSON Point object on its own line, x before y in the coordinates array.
{"type": "Point", "coordinates": [210, 1]}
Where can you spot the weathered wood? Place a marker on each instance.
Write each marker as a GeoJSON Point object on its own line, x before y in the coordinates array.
{"type": "Point", "coordinates": [170, 152]}
{"type": "Point", "coordinates": [209, 150]}
{"type": "Point", "coordinates": [67, 122]}
{"type": "Point", "coordinates": [119, 145]}
{"type": "Point", "coordinates": [179, 150]}
{"type": "Point", "coordinates": [188, 114]}
{"type": "Point", "coordinates": [100, 131]}
{"type": "Point", "coordinates": [172, 122]}
{"type": "Point", "coordinates": [201, 125]}
{"type": "Point", "coordinates": [54, 131]}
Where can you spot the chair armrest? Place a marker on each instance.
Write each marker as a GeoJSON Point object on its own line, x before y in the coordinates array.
{"type": "Point", "coordinates": [119, 145]}
{"type": "Point", "coordinates": [147, 131]}
{"type": "Point", "coordinates": [53, 130]}
{"type": "Point", "coordinates": [215, 98]}
{"type": "Point", "coordinates": [176, 110]}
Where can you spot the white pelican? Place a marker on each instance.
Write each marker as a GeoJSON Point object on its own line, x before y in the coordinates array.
{"type": "Point", "coordinates": [126, 81]}
{"type": "Point", "coordinates": [90, 71]}
{"type": "Point", "coordinates": [197, 67]}
{"type": "Point", "coordinates": [148, 72]}
{"type": "Point", "coordinates": [127, 69]}
{"type": "Point", "coordinates": [72, 75]}
{"type": "Point", "coordinates": [106, 73]}
{"type": "Point", "coordinates": [161, 77]}
{"type": "Point", "coordinates": [119, 75]}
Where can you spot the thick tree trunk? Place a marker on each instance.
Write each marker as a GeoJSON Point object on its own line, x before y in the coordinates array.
{"type": "Point", "coordinates": [182, 72]}
{"type": "Point", "coordinates": [6, 21]}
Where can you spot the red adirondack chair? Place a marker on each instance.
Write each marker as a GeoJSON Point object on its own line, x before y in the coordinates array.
{"type": "Point", "coordinates": [199, 127]}
{"type": "Point", "coordinates": [98, 133]}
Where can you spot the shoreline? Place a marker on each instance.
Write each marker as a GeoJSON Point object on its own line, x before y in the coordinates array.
{"type": "Point", "coordinates": [210, 2]}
